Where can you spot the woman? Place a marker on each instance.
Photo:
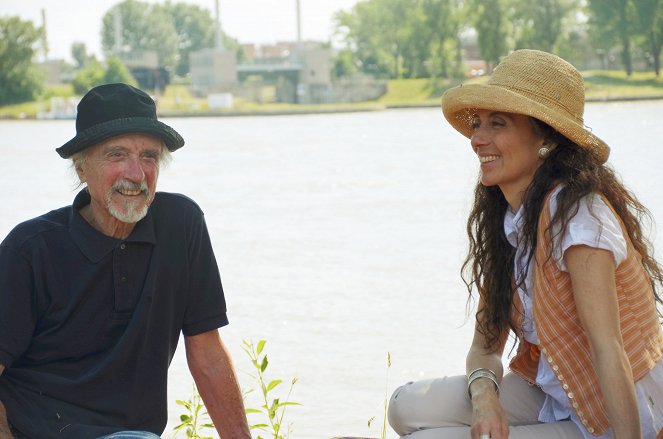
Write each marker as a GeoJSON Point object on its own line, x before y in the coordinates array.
{"type": "Point", "coordinates": [558, 258]}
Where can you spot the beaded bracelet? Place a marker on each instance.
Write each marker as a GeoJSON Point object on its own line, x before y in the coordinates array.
{"type": "Point", "coordinates": [482, 373]}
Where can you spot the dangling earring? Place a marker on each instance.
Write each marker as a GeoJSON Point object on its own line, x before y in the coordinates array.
{"type": "Point", "coordinates": [543, 152]}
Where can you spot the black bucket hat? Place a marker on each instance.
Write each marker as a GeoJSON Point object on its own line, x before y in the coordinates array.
{"type": "Point", "coordinates": [112, 109]}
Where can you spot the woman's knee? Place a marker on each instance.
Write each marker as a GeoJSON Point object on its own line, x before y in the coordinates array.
{"type": "Point", "coordinates": [398, 406]}
{"type": "Point", "coordinates": [428, 403]}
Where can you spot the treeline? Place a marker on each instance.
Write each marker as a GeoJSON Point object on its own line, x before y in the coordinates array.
{"type": "Point", "coordinates": [428, 38]}
{"type": "Point", "coordinates": [381, 38]}
{"type": "Point", "coordinates": [172, 30]}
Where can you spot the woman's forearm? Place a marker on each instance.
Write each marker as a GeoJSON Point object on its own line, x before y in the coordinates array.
{"type": "Point", "coordinates": [616, 381]}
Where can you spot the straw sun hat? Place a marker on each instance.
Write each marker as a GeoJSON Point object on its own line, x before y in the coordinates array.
{"type": "Point", "coordinates": [530, 82]}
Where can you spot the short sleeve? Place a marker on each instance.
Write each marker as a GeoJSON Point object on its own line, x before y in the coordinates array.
{"type": "Point", "coordinates": [17, 314]}
{"type": "Point", "coordinates": [596, 227]}
{"type": "Point", "coordinates": [206, 305]}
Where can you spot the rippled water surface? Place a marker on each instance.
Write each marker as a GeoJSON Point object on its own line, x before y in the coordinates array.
{"type": "Point", "coordinates": [339, 237]}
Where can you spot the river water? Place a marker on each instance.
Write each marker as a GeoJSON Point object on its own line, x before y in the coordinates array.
{"type": "Point", "coordinates": [339, 238]}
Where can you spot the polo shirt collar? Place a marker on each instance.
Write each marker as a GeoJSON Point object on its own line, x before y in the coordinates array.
{"type": "Point", "coordinates": [94, 244]}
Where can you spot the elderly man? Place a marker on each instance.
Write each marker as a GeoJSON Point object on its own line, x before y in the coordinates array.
{"type": "Point", "coordinates": [93, 296]}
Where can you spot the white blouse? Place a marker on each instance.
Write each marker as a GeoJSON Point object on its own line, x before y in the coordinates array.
{"type": "Point", "coordinates": [604, 233]}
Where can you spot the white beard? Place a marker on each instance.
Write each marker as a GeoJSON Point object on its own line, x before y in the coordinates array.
{"type": "Point", "coordinates": [132, 211]}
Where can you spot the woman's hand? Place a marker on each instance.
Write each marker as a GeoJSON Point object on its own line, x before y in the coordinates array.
{"type": "Point", "coordinates": [489, 420]}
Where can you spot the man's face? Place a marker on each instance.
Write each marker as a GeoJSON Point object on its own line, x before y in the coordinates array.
{"type": "Point", "coordinates": [121, 175]}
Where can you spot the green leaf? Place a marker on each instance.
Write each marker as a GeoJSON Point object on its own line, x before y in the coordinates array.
{"type": "Point", "coordinates": [258, 426]}
{"type": "Point", "coordinates": [185, 418]}
{"type": "Point", "coordinates": [264, 364]}
{"type": "Point", "coordinates": [273, 384]}
{"type": "Point", "coordinates": [288, 403]}
{"type": "Point", "coordinates": [184, 403]}
{"type": "Point", "coordinates": [261, 345]}
{"type": "Point", "coordinates": [247, 411]}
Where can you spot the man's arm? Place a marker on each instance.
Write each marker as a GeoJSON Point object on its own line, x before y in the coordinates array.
{"type": "Point", "coordinates": [4, 424]}
{"type": "Point", "coordinates": [212, 370]}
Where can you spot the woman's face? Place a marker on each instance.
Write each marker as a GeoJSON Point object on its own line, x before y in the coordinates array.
{"type": "Point", "coordinates": [507, 146]}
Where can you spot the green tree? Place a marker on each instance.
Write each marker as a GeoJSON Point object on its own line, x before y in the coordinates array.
{"type": "Point", "coordinates": [195, 30]}
{"type": "Point", "coordinates": [540, 24]}
{"type": "Point", "coordinates": [80, 55]}
{"type": "Point", "coordinates": [95, 73]}
{"type": "Point", "coordinates": [358, 28]}
{"type": "Point", "coordinates": [20, 78]}
{"type": "Point", "coordinates": [614, 22]}
{"type": "Point", "coordinates": [444, 19]}
{"type": "Point", "coordinates": [650, 22]}
{"type": "Point", "coordinates": [401, 38]}
{"type": "Point", "coordinates": [491, 24]}
{"type": "Point", "coordinates": [146, 27]}
{"type": "Point", "coordinates": [116, 71]}
{"type": "Point", "coordinates": [89, 76]}
{"type": "Point", "coordinates": [344, 64]}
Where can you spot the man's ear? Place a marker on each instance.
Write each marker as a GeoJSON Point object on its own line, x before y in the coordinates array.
{"type": "Point", "coordinates": [80, 172]}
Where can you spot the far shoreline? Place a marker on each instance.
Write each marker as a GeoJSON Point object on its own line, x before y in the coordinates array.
{"type": "Point", "coordinates": [313, 110]}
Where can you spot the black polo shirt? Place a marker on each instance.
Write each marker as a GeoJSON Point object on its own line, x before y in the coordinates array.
{"type": "Point", "coordinates": [89, 324]}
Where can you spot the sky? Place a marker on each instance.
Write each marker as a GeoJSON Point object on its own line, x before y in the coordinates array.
{"type": "Point", "coordinates": [249, 21]}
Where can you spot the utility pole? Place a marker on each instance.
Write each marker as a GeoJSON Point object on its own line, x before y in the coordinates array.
{"type": "Point", "coordinates": [218, 33]}
{"type": "Point", "coordinates": [117, 47]}
{"type": "Point", "coordinates": [44, 36]}
{"type": "Point", "coordinates": [299, 26]}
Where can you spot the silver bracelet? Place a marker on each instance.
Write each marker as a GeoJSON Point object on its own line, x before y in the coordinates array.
{"type": "Point", "coordinates": [481, 369]}
{"type": "Point", "coordinates": [482, 373]}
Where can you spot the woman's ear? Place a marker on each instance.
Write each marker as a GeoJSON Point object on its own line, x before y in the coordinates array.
{"type": "Point", "coordinates": [545, 149]}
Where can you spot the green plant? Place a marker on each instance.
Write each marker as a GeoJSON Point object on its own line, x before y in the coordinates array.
{"type": "Point", "coordinates": [195, 419]}
{"type": "Point", "coordinates": [383, 432]}
{"type": "Point", "coordinates": [273, 408]}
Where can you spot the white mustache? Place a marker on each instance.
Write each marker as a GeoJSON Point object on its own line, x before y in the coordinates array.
{"type": "Point", "coordinates": [126, 185]}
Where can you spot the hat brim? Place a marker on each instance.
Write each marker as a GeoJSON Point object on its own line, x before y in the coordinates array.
{"type": "Point", "coordinates": [460, 103]}
{"type": "Point", "coordinates": [111, 128]}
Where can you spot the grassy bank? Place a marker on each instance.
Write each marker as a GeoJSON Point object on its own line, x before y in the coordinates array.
{"type": "Point", "coordinates": [177, 101]}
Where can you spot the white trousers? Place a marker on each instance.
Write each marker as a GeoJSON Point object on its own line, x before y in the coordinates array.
{"type": "Point", "coordinates": [440, 408]}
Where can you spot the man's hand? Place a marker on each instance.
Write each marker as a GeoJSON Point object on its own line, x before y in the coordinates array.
{"type": "Point", "coordinates": [214, 374]}
{"type": "Point", "coordinates": [4, 424]}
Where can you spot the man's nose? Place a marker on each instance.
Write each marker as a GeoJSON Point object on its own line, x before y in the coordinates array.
{"type": "Point", "coordinates": [134, 170]}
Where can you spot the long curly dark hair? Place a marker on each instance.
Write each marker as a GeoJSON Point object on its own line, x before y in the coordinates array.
{"type": "Point", "coordinates": [489, 266]}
